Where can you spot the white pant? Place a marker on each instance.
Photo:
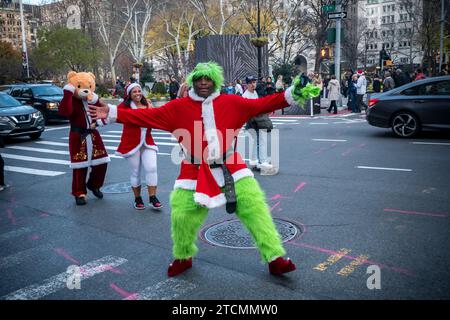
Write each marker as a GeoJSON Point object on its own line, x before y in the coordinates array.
{"type": "Point", "coordinates": [145, 158]}
{"type": "Point", "coordinates": [258, 145]}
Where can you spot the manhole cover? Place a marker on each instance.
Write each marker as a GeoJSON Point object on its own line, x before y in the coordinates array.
{"type": "Point", "coordinates": [232, 234]}
{"type": "Point", "coordinates": [121, 187]}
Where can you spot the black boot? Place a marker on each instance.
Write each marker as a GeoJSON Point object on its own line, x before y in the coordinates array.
{"type": "Point", "coordinates": [96, 192]}
{"type": "Point", "coordinates": [80, 201]}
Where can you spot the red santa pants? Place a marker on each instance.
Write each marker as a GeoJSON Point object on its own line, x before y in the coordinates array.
{"type": "Point", "coordinates": [96, 179]}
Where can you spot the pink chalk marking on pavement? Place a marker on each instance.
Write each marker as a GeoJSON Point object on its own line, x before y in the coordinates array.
{"type": "Point", "coordinates": [346, 152]}
{"type": "Point", "coordinates": [11, 216]}
{"type": "Point", "coordinates": [275, 205]}
{"type": "Point", "coordinates": [429, 214]}
{"type": "Point", "coordinates": [299, 187]}
{"type": "Point", "coordinates": [123, 293]}
{"type": "Point", "coordinates": [370, 262]}
{"type": "Point", "coordinates": [362, 145]}
{"type": "Point", "coordinates": [35, 237]}
{"type": "Point", "coordinates": [67, 256]}
{"type": "Point", "coordinates": [277, 197]}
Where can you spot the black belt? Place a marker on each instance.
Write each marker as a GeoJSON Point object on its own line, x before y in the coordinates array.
{"type": "Point", "coordinates": [82, 131]}
{"type": "Point", "coordinates": [230, 192]}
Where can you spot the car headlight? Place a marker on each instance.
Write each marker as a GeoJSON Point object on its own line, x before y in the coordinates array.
{"type": "Point", "coordinates": [52, 105]}
{"type": "Point", "coordinates": [36, 115]}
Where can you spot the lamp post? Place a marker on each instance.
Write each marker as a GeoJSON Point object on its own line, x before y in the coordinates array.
{"type": "Point", "coordinates": [441, 54]}
{"type": "Point", "coordinates": [24, 42]}
{"type": "Point", "coordinates": [259, 47]}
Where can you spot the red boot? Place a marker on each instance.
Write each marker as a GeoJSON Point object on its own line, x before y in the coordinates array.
{"type": "Point", "coordinates": [179, 266]}
{"type": "Point", "coordinates": [281, 265]}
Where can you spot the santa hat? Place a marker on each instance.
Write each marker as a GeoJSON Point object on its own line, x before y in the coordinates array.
{"type": "Point", "coordinates": [131, 87]}
{"type": "Point", "coordinates": [360, 72]}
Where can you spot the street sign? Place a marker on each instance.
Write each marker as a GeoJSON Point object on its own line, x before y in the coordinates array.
{"type": "Point", "coordinates": [329, 8]}
{"type": "Point", "coordinates": [337, 15]}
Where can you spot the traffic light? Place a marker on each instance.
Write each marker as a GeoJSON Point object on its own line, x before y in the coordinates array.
{"type": "Point", "coordinates": [325, 53]}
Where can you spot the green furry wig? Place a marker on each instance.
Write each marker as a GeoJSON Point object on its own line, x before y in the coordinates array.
{"type": "Point", "coordinates": [209, 70]}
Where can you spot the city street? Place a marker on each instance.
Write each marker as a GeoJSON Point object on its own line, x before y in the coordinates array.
{"type": "Point", "coordinates": [348, 196]}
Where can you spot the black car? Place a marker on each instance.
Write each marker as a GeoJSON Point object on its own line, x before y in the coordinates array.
{"type": "Point", "coordinates": [44, 97]}
{"type": "Point", "coordinates": [19, 120]}
{"type": "Point", "coordinates": [408, 109]}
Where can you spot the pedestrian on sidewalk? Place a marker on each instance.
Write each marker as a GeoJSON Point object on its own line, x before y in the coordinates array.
{"type": "Point", "coordinates": [334, 93]}
{"type": "Point", "coordinates": [388, 83]}
{"type": "Point", "coordinates": [174, 86]}
{"type": "Point", "coordinates": [258, 129]}
{"type": "Point", "coordinates": [352, 93]}
{"type": "Point", "coordinates": [376, 85]}
{"type": "Point", "coordinates": [361, 87]}
{"type": "Point", "coordinates": [138, 147]}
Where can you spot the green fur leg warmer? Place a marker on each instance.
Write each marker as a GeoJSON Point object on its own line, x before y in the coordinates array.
{"type": "Point", "coordinates": [254, 213]}
{"type": "Point", "coordinates": [187, 218]}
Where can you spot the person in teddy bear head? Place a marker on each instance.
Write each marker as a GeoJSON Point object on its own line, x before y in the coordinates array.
{"type": "Point", "coordinates": [85, 143]}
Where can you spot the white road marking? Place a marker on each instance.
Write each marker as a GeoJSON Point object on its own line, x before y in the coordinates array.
{"type": "Point", "coordinates": [14, 233]}
{"type": "Point", "coordinates": [58, 128]}
{"type": "Point", "coordinates": [165, 290]}
{"type": "Point", "coordinates": [34, 171]}
{"type": "Point", "coordinates": [283, 120]}
{"type": "Point", "coordinates": [20, 257]}
{"type": "Point", "coordinates": [381, 168]}
{"type": "Point", "coordinates": [328, 140]}
{"type": "Point", "coordinates": [38, 150]}
{"type": "Point", "coordinates": [58, 282]}
{"type": "Point", "coordinates": [34, 159]}
{"type": "Point", "coordinates": [313, 123]}
{"type": "Point", "coordinates": [153, 132]}
{"type": "Point", "coordinates": [432, 143]}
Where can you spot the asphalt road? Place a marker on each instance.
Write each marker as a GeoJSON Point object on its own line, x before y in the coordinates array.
{"type": "Point", "coordinates": [357, 196]}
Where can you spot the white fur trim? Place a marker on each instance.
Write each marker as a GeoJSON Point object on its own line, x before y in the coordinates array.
{"type": "Point", "coordinates": [131, 152]}
{"type": "Point", "coordinates": [86, 164]}
{"type": "Point", "coordinates": [185, 184]}
{"type": "Point", "coordinates": [94, 99]}
{"type": "Point", "coordinates": [69, 87]}
{"type": "Point", "coordinates": [151, 146]}
{"type": "Point", "coordinates": [112, 115]}
{"type": "Point", "coordinates": [217, 173]}
{"type": "Point", "coordinates": [100, 123]}
{"type": "Point", "coordinates": [209, 202]}
{"type": "Point", "coordinates": [131, 87]}
{"type": "Point", "coordinates": [288, 96]}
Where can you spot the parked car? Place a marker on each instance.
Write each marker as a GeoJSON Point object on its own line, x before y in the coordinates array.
{"type": "Point", "coordinates": [17, 119]}
{"type": "Point", "coordinates": [44, 97]}
{"type": "Point", "coordinates": [408, 109]}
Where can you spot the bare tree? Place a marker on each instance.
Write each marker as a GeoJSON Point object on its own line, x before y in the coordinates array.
{"type": "Point", "coordinates": [139, 27]}
{"type": "Point", "coordinates": [112, 27]}
{"type": "Point", "coordinates": [215, 14]}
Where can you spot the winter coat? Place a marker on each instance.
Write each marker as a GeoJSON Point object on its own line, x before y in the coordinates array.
{"type": "Point", "coordinates": [334, 90]}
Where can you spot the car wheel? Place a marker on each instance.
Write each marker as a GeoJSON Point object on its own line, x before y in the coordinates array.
{"type": "Point", "coordinates": [405, 125]}
{"type": "Point", "coordinates": [35, 136]}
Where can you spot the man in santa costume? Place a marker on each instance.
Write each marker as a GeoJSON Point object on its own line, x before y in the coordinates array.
{"type": "Point", "coordinates": [85, 144]}
{"type": "Point", "coordinates": [206, 123]}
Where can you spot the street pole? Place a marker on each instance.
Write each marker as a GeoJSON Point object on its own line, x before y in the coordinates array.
{"type": "Point", "coordinates": [136, 46]}
{"type": "Point", "coordinates": [337, 62]}
{"type": "Point", "coordinates": [259, 48]}
{"type": "Point", "coordinates": [24, 42]}
{"type": "Point", "coordinates": [441, 54]}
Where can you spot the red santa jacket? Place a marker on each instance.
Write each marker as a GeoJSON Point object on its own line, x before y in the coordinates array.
{"type": "Point", "coordinates": [87, 150]}
{"type": "Point", "coordinates": [217, 118]}
{"type": "Point", "coordinates": [133, 137]}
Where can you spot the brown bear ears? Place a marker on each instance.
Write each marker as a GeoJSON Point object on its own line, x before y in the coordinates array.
{"type": "Point", "coordinates": [72, 74]}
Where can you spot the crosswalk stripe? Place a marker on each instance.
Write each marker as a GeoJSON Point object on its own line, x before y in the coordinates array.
{"type": "Point", "coordinates": [38, 150]}
{"type": "Point", "coordinates": [283, 120]}
{"type": "Point", "coordinates": [20, 257]}
{"type": "Point", "coordinates": [59, 281]}
{"type": "Point", "coordinates": [34, 171]}
{"type": "Point", "coordinates": [14, 233]}
{"type": "Point", "coordinates": [153, 132]}
{"type": "Point", "coordinates": [34, 159]}
{"type": "Point", "coordinates": [165, 290]}
{"type": "Point", "coordinates": [58, 128]}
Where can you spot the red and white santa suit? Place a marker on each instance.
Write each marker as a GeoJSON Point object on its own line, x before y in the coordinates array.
{"type": "Point", "coordinates": [85, 145]}
{"type": "Point", "coordinates": [218, 118]}
{"type": "Point", "coordinates": [139, 148]}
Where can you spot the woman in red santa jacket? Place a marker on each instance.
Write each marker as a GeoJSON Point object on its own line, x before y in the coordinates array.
{"type": "Point", "coordinates": [138, 147]}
